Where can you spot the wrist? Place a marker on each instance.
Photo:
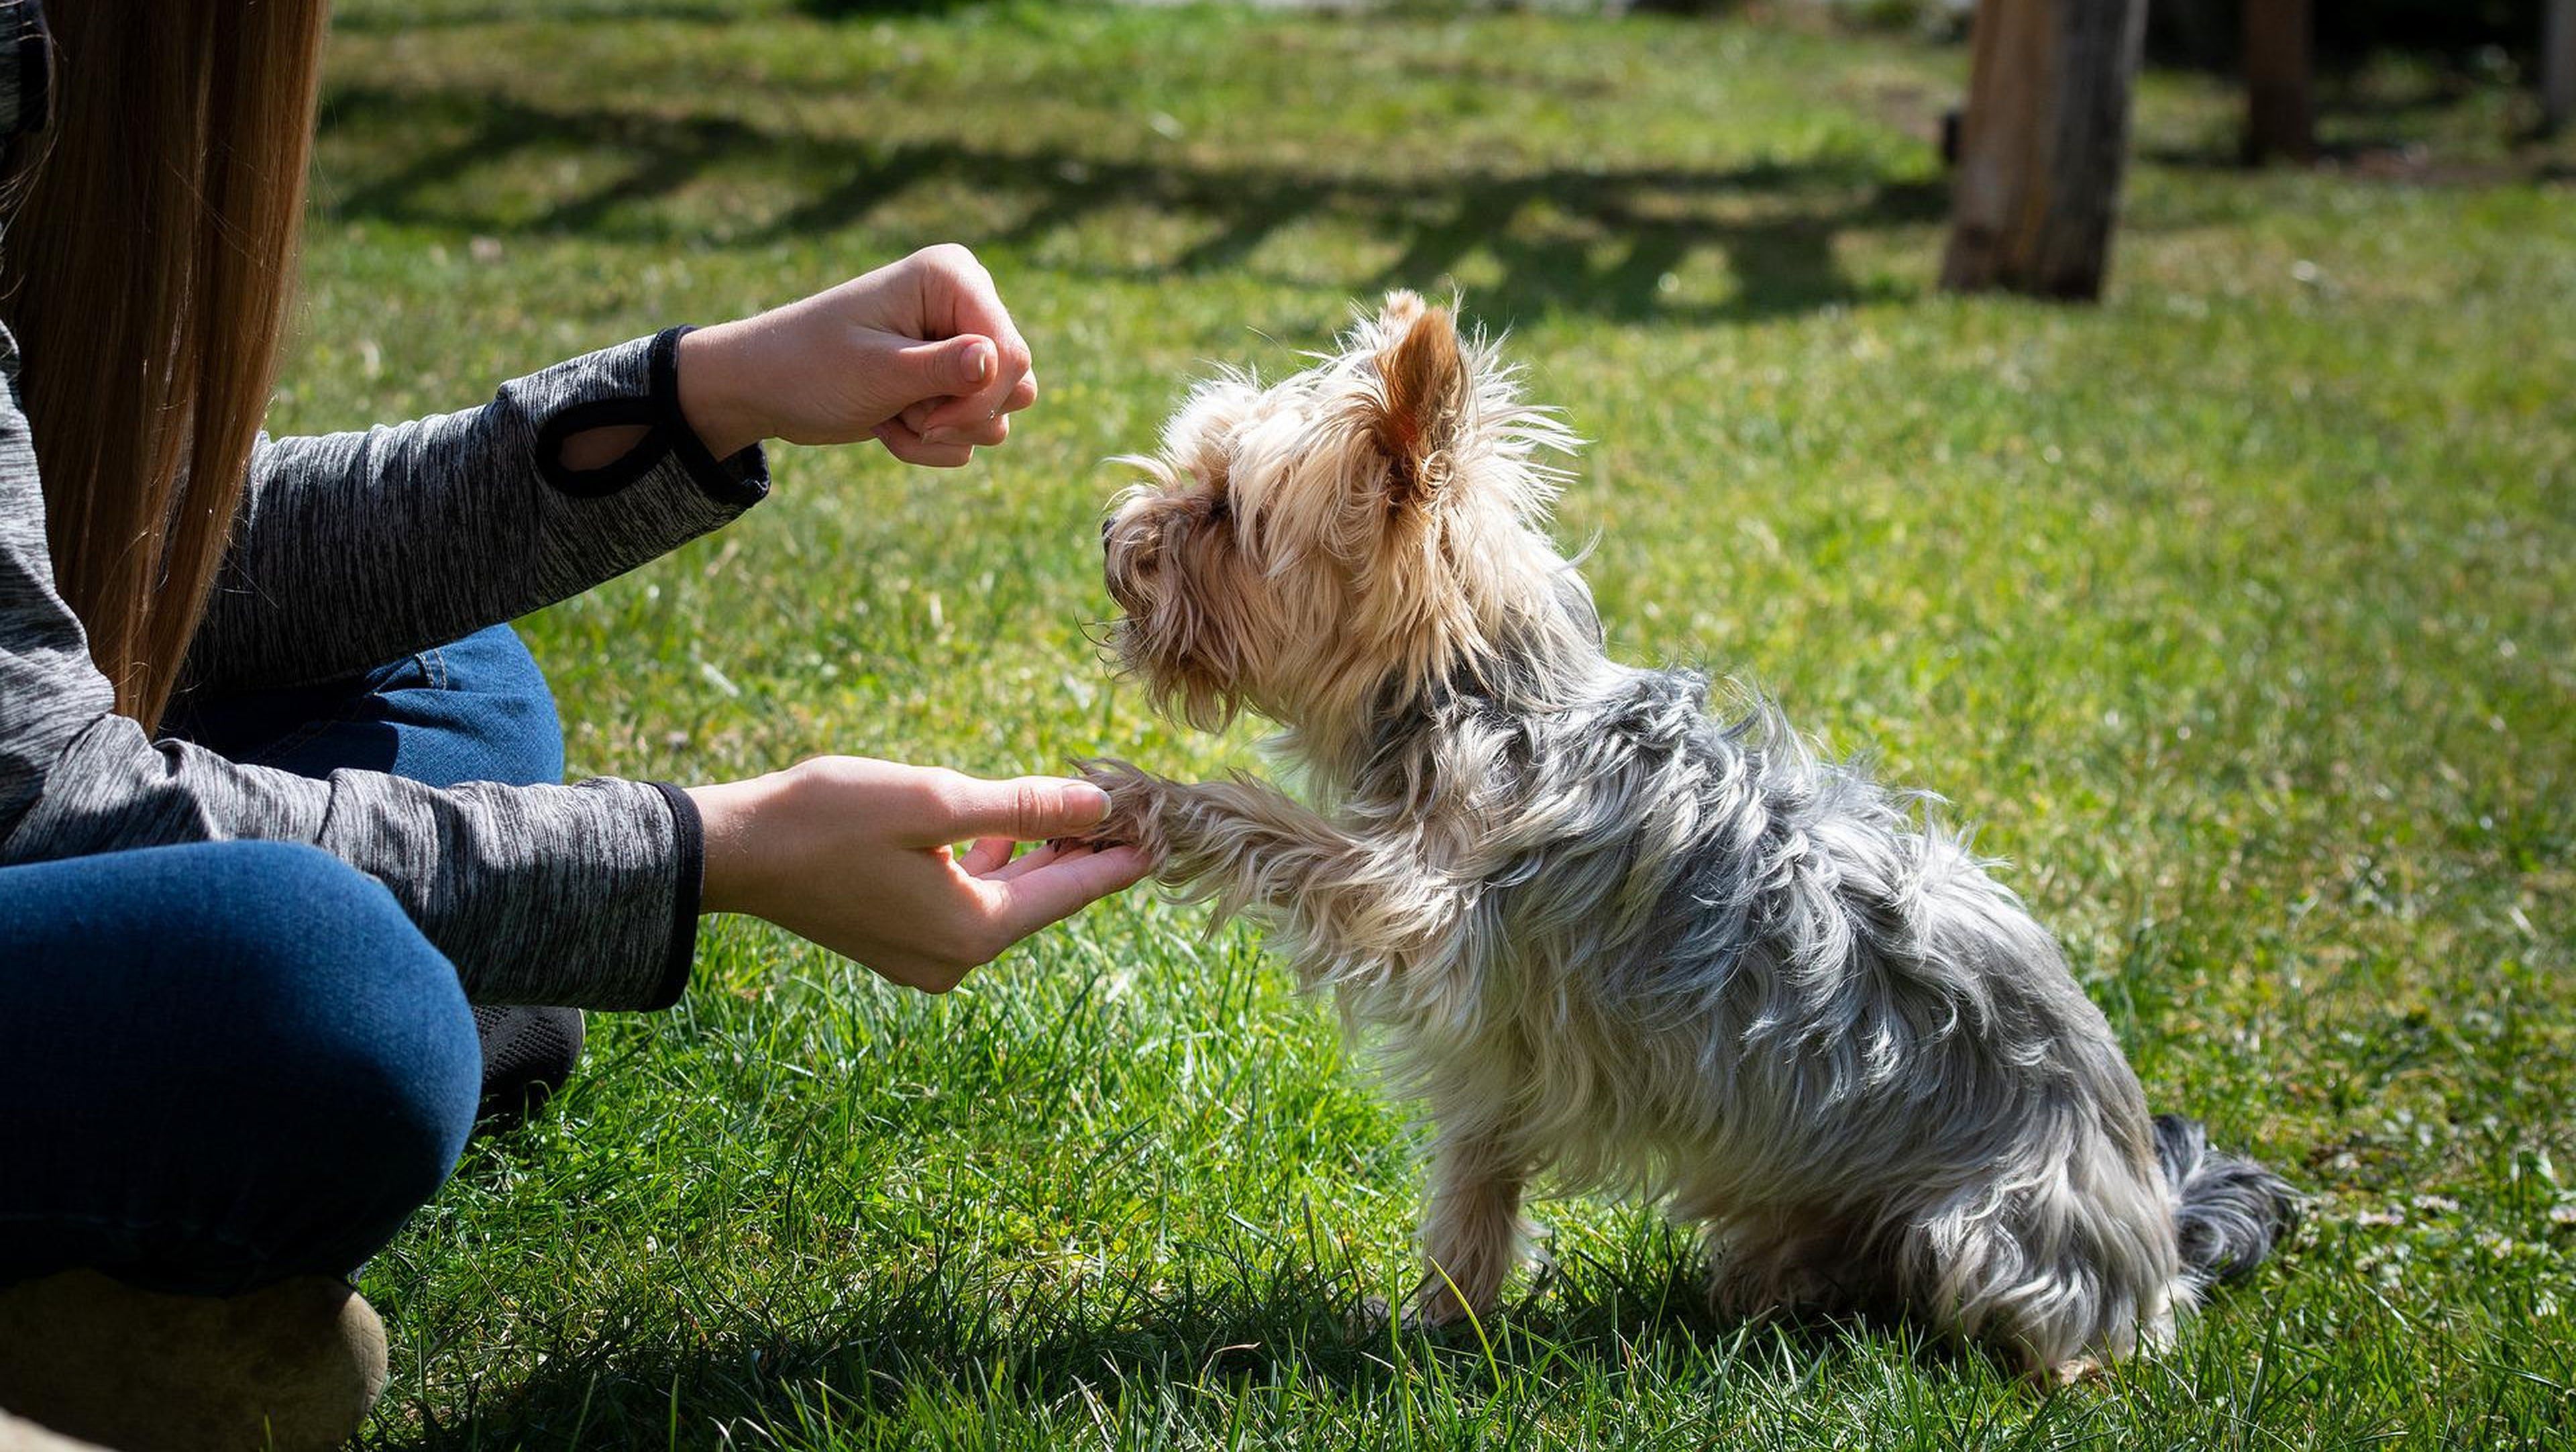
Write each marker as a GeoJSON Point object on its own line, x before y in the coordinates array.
{"type": "Point", "coordinates": [717, 397]}
{"type": "Point", "coordinates": [736, 875]}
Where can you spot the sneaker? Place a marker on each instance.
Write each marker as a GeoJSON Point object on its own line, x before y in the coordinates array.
{"type": "Point", "coordinates": [528, 1054]}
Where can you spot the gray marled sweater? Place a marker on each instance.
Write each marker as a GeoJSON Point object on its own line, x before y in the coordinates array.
{"type": "Point", "coordinates": [355, 549]}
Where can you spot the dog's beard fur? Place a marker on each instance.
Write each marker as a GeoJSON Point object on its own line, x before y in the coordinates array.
{"type": "Point", "coordinates": [1615, 943]}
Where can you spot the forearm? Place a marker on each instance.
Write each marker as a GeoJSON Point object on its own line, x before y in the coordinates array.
{"type": "Point", "coordinates": [582, 895]}
{"type": "Point", "coordinates": [357, 548]}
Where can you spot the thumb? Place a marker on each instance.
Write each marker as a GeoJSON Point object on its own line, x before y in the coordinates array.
{"type": "Point", "coordinates": [1028, 808]}
{"type": "Point", "coordinates": [951, 366]}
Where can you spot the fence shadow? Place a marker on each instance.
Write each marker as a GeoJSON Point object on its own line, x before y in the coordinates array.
{"type": "Point", "coordinates": [2408, 129]}
{"type": "Point", "coordinates": [1564, 238]}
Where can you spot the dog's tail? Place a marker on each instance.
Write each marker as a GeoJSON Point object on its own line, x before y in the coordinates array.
{"type": "Point", "coordinates": [2229, 1212]}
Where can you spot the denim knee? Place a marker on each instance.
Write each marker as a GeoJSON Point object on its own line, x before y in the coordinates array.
{"type": "Point", "coordinates": [345, 1021]}
{"type": "Point", "coordinates": [228, 1063]}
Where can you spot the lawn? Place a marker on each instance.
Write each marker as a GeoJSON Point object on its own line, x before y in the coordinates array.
{"type": "Point", "coordinates": [2235, 611]}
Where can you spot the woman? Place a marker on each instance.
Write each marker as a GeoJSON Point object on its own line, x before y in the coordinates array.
{"type": "Point", "coordinates": [251, 874]}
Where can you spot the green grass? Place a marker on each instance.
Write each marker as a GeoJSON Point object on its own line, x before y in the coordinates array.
{"type": "Point", "coordinates": [2236, 611]}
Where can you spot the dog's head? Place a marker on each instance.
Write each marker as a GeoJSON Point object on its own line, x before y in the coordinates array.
{"type": "Point", "coordinates": [1373, 523]}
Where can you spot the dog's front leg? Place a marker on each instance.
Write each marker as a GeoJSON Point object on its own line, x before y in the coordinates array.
{"type": "Point", "coordinates": [1473, 1236]}
{"type": "Point", "coordinates": [1247, 846]}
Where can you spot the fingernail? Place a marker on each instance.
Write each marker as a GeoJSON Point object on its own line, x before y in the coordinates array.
{"type": "Point", "coordinates": [939, 436]}
{"type": "Point", "coordinates": [981, 362]}
{"type": "Point", "coordinates": [1084, 799]}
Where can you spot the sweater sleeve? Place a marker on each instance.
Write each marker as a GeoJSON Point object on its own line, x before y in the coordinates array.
{"type": "Point", "coordinates": [353, 549]}
{"type": "Point", "coordinates": [583, 895]}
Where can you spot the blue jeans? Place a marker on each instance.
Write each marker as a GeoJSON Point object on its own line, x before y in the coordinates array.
{"type": "Point", "coordinates": [229, 1063]}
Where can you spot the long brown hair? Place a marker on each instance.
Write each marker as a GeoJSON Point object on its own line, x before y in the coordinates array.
{"type": "Point", "coordinates": [147, 271]}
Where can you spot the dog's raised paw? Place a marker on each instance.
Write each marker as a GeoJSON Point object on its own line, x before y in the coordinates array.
{"type": "Point", "coordinates": [1133, 796]}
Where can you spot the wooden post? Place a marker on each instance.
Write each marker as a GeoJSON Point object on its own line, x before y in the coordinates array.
{"type": "Point", "coordinates": [2279, 59]}
{"type": "Point", "coordinates": [2042, 145]}
{"type": "Point", "coordinates": [2558, 66]}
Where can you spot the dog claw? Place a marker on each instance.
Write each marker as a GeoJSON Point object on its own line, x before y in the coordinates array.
{"type": "Point", "coordinates": [1368, 1318]}
{"type": "Point", "coordinates": [2073, 1372]}
{"type": "Point", "coordinates": [1374, 1314]}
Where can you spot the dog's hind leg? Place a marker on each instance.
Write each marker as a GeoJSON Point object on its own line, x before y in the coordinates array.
{"type": "Point", "coordinates": [2060, 1281]}
{"type": "Point", "coordinates": [1788, 1262]}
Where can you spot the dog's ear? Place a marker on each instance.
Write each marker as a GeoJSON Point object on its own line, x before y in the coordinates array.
{"type": "Point", "coordinates": [1398, 312]}
{"type": "Point", "coordinates": [1423, 397]}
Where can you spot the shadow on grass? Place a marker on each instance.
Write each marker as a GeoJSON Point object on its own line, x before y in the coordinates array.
{"type": "Point", "coordinates": [1574, 239]}
{"type": "Point", "coordinates": [636, 1376]}
{"type": "Point", "coordinates": [2389, 159]}
{"type": "Point", "coordinates": [2404, 129]}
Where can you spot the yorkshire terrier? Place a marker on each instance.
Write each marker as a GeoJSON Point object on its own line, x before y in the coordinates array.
{"type": "Point", "coordinates": [1614, 943]}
